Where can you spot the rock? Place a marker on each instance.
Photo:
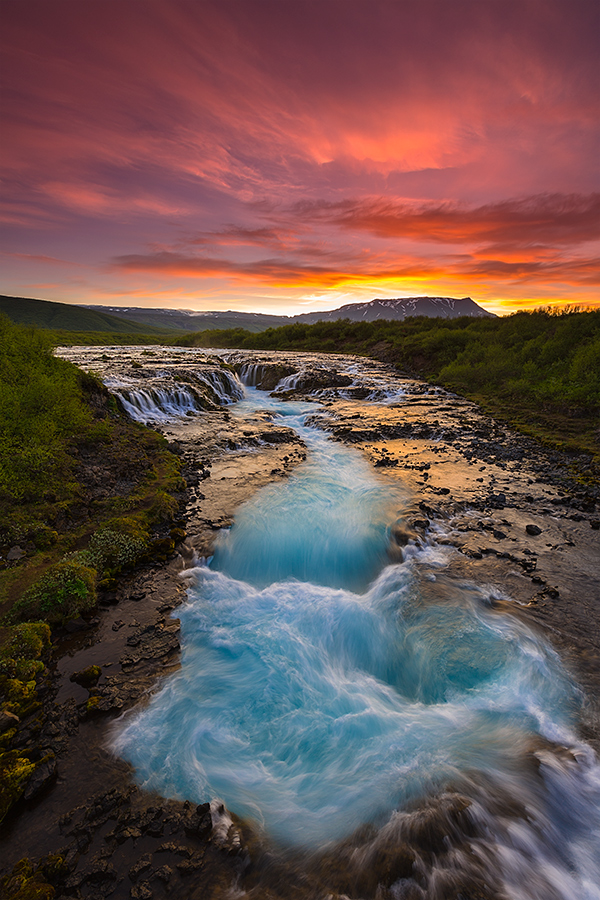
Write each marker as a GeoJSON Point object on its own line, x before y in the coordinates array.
{"type": "Point", "coordinates": [402, 535]}
{"type": "Point", "coordinates": [88, 677]}
{"type": "Point", "coordinates": [199, 823]}
{"type": "Point", "coordinates": [75, 625]}
{"type": "Point", "coordinates": [595, 524]}
{"type": "Point", "coordinates": [142, 891]}
{"type": "Point", "coordinates": [43, 775]}
{"type": "Point", "coordinates": [142, 865]}
{"type": "Point", "coordinates": [8, 720]}
{"type": "Point", "coordinates": [421, 524]}
{"type": "Point", "coordinates": [533, 529]}
{"type": "Point", "coordinates": [164, 873]}
{"type": "Point", "coordinates": [15, 553]}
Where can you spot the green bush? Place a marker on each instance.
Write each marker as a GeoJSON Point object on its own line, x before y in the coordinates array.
{"type": "Point", "coordinates": [66, 590]}
{"type": "Point", "coordinates": [24, 642]}
{"type": "Point", "coordinates": [111, 549]}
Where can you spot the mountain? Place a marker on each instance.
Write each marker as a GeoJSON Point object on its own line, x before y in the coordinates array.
{"type": "Point", "coordinates": [444, 307]}
{"type": "Point", "coordinates": [138, 320]}
{"type": "Point", "coordinates": [188, 320]}
{"type": "Point", "coordinates": [67, 317]}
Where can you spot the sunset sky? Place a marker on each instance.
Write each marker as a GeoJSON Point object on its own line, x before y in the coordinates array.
{"type": "Point", "coordinates": [291, 156]}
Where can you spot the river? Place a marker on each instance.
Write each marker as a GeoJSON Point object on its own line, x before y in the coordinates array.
{"type": "Point", "coordinates": [348, 691]}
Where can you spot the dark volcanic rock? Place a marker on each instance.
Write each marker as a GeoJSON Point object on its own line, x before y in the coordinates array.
{"type": "Point", "coordinates": [533, 529]}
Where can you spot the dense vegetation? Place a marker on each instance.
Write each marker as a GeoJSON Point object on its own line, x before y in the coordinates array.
{"type": "Point", "coordinates": [65, 530]}
{"type": "Point", "coordinates": [539, 370]}
{"type": "Point", "coordinates": [41, 409]}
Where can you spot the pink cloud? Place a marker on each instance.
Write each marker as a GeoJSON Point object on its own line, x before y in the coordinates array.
{"type": "Point", "coordinates": [292, 141]}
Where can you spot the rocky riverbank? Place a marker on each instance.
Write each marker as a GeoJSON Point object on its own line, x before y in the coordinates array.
{"type": "Point", "coordinates": [503, 511]}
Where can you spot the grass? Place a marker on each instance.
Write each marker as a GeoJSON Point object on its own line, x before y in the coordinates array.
{"type": "Point", "coordinates": [71, 531]}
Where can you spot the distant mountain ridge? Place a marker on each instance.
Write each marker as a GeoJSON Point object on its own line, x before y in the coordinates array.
{"type": "Point", "coordinates": [401, 308]}
{"type": "Point", "coordinates": [140, 320]}
{"type": "Point", "coordinates": [191, 320]}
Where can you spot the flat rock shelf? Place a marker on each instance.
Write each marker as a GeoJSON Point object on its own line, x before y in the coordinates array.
{"type": "Point", "coordinates": [371, 670]}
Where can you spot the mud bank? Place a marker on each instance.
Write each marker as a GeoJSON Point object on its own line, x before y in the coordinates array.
{"type": "Point", "coordinates": [503, 512]}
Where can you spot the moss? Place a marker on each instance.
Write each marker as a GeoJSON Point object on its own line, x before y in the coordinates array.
{"type": "Point", "coordinates": [28, 669]}
{"type": "Point", "coordinates": [15, 771]}
{"type": "Point", "coordinates": [24, 642]}
{"type": "Point", "coordinates": [27, 882]}
{"type": "Point", "coordinates": [92, 707]}
{"type": "Point", "coordinates": [44, 537]}
{"type": "Point", "coordinates": [87, 678]}
{"type": "Point", "coordinates": [66, 590]}
{"type": "Point", "coordinates": [163, 508]}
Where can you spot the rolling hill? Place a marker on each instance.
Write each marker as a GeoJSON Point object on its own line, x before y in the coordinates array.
{"type": "Point", "coordinates": [67, 317]}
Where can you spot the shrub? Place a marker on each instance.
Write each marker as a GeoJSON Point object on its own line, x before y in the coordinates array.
{"type": "Point", "coordinates": [111, 549]}
{"type": "Point", "coordinates": [67, 589]}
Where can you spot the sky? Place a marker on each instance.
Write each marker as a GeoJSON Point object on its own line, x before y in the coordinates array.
{"type": "Point", "coordinates": [290, 156]}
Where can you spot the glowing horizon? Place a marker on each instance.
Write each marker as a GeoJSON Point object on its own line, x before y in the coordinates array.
{"type": "Point", "coordinates": [285, 158]}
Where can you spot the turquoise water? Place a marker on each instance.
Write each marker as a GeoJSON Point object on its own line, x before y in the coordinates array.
{"type": "Point", "coordinates": [322, 688]}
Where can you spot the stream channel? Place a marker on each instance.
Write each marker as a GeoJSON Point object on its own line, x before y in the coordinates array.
{"type": "Point", "coordinates": [347, 693]}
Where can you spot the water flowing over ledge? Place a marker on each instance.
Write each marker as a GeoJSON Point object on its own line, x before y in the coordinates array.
{"type": "Point", "coordinates": [323, 689]}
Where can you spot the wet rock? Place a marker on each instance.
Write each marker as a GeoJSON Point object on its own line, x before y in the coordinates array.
{"type": "Point", "coordinates": [88, 677]}
{"type": "Point", "coordinates": [171, 847]}
{"type": "Point", "coordinates": [278, 436]}
{"type": "Point", "coordinates": [8, 720]}
{"type": "Point", "coordinates": [76, 625]}
{"type": "Point", "coordinates": [43, 776]}
{"type": "Point", "coordinates": [187, 866]}
{"type": "Point", "coordinates": [153, 642]}
{"type": "Point", "coordinates": [163, 873]}
{"type": "Point", "coordinates": [533, 529]}
{"type": "Point", "coordinates": [402, 535]}
{"type": "Point", "coordinates": [144, 864]}
{"type": "Point", "coordinates": [421, 524]}
{"type": "Point", "coordinates": [141, 891]}
{"type": "Point", "coordinates": [199, 823]}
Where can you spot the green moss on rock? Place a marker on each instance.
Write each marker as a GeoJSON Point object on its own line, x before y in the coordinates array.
{"type": "Point", "coordinates": [29, 882]}
{"type": "Point", "coordinates": [15, 771]}
{"type": "Point", "coordinates": [87, 678]}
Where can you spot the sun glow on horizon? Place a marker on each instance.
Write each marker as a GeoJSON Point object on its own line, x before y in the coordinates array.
{"type": "Point", "coordinates": [266, 157]}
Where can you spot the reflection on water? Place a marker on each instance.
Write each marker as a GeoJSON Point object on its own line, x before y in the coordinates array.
{"type": "Point", "coordinates": [331, 697]}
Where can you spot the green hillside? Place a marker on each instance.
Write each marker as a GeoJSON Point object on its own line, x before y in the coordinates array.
{"type": "Point", "coordinates": [65, 317]}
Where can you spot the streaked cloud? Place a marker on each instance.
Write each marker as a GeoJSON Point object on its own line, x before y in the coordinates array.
{"type": "Point", "coordinates": [306, 146]}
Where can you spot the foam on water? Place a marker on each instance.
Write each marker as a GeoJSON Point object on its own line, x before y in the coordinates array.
{"type": "Point", "coordinates": [313, 702]}
{"type": "Point", "coordinates": [170, 401]}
